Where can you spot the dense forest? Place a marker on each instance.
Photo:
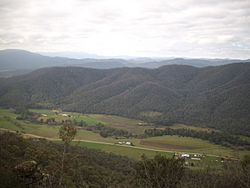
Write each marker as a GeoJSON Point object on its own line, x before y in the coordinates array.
{"type": "Point", "coordinates": [37, 163]}
{"type": "Point", "coordinates": [216, 97]}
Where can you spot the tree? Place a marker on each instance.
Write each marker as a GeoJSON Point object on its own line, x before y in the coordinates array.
{"type": "Point", "coordinates": [67, 134]}
{"type": "Point", "coordinates": [160, 172]}
{"type": "Point", "coordinates": [30, 174]}
{"type": "Point", "coordinates": [236, 174]}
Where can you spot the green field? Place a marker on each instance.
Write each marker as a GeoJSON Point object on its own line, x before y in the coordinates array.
{"type": "Point", "coordinates": [170, 144]}
{"type": "Point", "coordinates": [136, 154]}
{"type": "Point", "coordinates": [182, 126]}
{"type": "Point", "coordinates": [122, 150]}
{"type": "Point", "coordinates": [58, 115]}
{"type": "Point", "coordinates": [151, 114]}
{"type": "Point", "coordinates": [130, 125]}
{"type": "Point", "coordinates": [188, 144]}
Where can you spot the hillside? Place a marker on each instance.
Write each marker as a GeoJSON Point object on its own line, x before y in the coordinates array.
{"type": "Point", "coordinates": [15, 62]}
{"type": "Point", "coordinates": [211, 96]}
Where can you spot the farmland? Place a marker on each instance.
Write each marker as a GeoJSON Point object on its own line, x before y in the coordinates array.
{"type": "Point", "coordinates": [149, 146]}
{"type": "Point", "coordinates": [182, 126]}
{"type": "Point", "coordinates": [130, 125]}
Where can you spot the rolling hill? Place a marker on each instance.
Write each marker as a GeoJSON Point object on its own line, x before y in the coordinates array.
{"type": "Point", "coordinates": [211, 96]}
{"type": "Point", "coordinates": [15, 62]}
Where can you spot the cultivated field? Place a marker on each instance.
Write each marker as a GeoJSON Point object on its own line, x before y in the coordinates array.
{"type": "Point", "coordinates": [182, 126]}
{"type": "Point", "coordinates": [188, 144]}
{"type": "Point", "coordinates": [130, 125]}
{"type": "Point", "coordinates": [149, 146]}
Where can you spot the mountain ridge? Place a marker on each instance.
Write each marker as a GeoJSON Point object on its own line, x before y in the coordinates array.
{"type": "Point", "coordinates": [16, 62]}
{"type": "Point", "coordinates": [209, 96]}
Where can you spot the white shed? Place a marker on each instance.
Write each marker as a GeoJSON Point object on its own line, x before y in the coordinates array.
{"type": "Point", "coordinates": [185, 155]}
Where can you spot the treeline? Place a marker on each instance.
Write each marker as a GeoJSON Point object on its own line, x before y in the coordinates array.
{"type": "Point", "coordinates": [215, 137]}
{"type": "Point", "coordinates": [25, 114]}
{"type": "Point", "coordinates": [36, 163]}
{"type": "Point", "coordinates": [105, 131]}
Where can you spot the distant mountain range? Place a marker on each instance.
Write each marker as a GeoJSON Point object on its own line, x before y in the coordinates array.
{"type": "Point", "coordinates": [217, 96]}
{"type": "Point", "coordinates": [16, 62]}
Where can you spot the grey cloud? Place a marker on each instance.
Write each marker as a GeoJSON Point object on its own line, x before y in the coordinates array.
{"type": "Point", "coordinates": [210, 28]}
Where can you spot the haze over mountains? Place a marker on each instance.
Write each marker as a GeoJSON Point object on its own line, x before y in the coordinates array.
{"type": "Point", "coordinates": [16, 62]}
{"type": "Point", "coordinates": [210, 96]}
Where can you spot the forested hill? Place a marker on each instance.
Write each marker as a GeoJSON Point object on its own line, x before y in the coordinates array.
{"type": "Point", "coordinates": [211, 96]}
{"type": "Point", "coordinates": [15, 62]}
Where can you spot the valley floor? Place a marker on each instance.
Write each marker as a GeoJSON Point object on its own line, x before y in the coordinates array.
{"type": "Point", "coordinates": [166, 145]}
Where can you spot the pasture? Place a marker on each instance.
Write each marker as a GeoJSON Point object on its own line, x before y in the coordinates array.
{"type": "Point", "coordinates": [130, 125]}
{"type": "Point", "coordinates": [118, 122]}
{"type": "Point", "coordinates": [128, 151]}
{"type": "Point", "coordinates": [183, 126]}
{"type": "Point", "coordinates": [170, 144]}
{"type": "Point", "coordinates": [188, 144]}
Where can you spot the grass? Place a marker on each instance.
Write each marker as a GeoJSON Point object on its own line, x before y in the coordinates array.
{"type": "Point", "coordinates": [88, 135]}
{"type": "Point", "coordinates": [192, 145]}
{"type": "Point", "coordinates": [73, 116]}
{"type": "Point", "coordinates": [86, 118]}
{"type": "Point", "coordinates": [136, 154]}
{"type": "Point", "coordinates": [131, 125]}
{"type": "Point", "coordinates": [49, 113]}
{"type": "Point", "coordinates": [182, 126]}
{"type": "Point", "coordinates": [130, 152]}
{"type": "Point", "coordinates": [42, 130]}
{"type": "Point", "coordinates": [151, 114]}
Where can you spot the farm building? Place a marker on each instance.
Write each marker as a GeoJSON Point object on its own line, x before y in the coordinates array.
{"type": "Point", "coordinates": [125, 143]}
{"type": "Point", "coordinates": [185, 155]}
{"type": "Point", "coordinates": [128, 143]}
{"type": "Point", "coordinates": [198, 155]}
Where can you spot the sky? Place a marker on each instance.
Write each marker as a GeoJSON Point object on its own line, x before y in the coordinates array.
{"type": "Point", "coordinates": [142, 28]}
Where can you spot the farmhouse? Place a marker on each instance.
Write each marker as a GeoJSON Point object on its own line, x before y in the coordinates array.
{"type": "Point", "coordinates": [128, 143]}
{"type": "Point", "coordinates": [185, 155]}
{"type": "Point", "coordinates": [125, 143]}
{"type": "Point", "coordinates": [198, 155]}
{"type": "Point", "coordinates": [142, 124]}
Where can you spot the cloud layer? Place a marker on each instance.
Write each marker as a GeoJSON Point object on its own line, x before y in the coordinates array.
{"type": "Point", "coordinates": [189, 28]}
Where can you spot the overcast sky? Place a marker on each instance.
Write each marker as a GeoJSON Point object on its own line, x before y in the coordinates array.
{"type": "Point", "coordinates": [179, 28]}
